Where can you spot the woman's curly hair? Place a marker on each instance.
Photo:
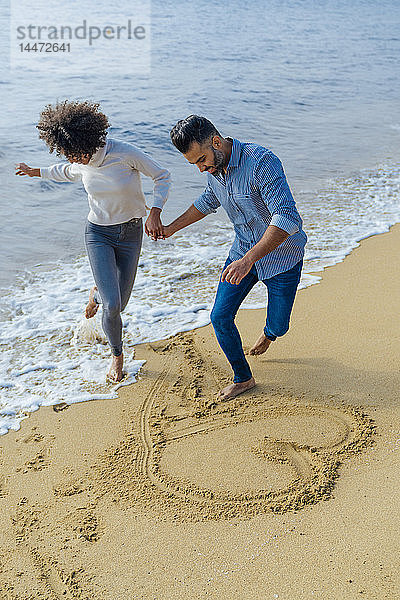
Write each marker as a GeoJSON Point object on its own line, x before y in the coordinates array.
{"type": "Point", "coordinates": [73, 129]}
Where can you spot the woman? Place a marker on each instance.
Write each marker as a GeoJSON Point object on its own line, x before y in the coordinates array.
{"type": "Point", "coordinates": [110, 172]}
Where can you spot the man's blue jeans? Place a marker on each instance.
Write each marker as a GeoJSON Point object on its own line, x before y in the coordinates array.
{"type": "Point", "coordinates": [281, 293]}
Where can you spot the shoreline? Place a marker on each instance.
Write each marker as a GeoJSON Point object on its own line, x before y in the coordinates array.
{"type": "Point", "coordinates": [153, 480]}
{"type": "Point", "coordinates": [68, 390]}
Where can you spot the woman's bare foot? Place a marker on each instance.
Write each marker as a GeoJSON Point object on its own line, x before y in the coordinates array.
{"type": "Point", "coordinates": [234, 389]}
{"type": "Point", "coordinates": [116, 374]}
{"type": "Point", "coordinates": [92, 306]}
{"type": "Point", "coordinates": [261, 345]}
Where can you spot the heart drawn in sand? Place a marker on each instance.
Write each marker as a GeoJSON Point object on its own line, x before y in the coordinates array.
{"type": "Point", "coordinates": [238, 458]}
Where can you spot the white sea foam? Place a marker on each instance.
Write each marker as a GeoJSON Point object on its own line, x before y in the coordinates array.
{"type": "Point", "coordinates": [43, 361]}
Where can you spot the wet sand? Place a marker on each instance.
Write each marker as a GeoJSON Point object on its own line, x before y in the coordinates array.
{"type": "Point", "coordinates": [289, 491]}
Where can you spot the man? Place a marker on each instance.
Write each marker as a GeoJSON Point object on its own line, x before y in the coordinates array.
{"type": "Point", "coordinates": [248, 181]}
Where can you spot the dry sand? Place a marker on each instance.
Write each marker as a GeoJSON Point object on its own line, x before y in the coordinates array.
{"type": "Point", "coordinates": [289, 491]}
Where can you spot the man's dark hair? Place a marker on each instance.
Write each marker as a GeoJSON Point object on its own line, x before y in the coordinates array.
{"type": "Point", "coordinates": [192, 129]}
{"type": "Point", "coordinates": [73, 128]}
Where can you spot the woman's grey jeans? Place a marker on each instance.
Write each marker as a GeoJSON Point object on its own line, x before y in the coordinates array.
{"type": "Point", "coordinates": [113, 252]}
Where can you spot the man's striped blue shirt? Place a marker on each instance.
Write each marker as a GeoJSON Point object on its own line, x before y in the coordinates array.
{"type": "Point", "coordinates": [255, 194]}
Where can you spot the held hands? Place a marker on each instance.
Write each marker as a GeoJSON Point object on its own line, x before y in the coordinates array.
{"type": "Point", "coordinates": [23, 169]}
{"type": "Point", "coordinates": [154, 228]}
{"type": "Point", "coordinates": [236, 271]}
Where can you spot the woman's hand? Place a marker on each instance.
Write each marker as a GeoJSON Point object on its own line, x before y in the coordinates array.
{"type": "Point", "coordinates": [153, 226]}
{"type": "Point", "coordinates": [23, 169]}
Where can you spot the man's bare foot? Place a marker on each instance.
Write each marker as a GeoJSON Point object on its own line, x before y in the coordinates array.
{"type": "Point", "coordinates": [234, 389]}
{"type": "Point", "coordinates": [92, 306]}
{"type": "Point", "coordinates": [116, 374]}
{"type": "Point", "coordinates": [261, 345]}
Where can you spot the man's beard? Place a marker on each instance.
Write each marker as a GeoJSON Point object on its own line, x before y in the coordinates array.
{"type": "Point", "coordinates": [219, 161]}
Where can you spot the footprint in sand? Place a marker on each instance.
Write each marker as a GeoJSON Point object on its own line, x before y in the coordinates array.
{"type": "Point", "coordinates": [27, 572]}
{"type": "Point", "coordinates": [34, 451]}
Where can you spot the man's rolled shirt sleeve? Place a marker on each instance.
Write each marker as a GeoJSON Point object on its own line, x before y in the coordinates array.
{"type": "Point", "coordinates": [284, 223]}
{"type": "Point", "coordinates": [208, 202]}
{"type": "Point", "coordinates": [274, 188]}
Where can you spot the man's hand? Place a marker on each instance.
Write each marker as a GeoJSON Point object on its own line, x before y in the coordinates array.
{"type": "Point", "coordinates": [236, 271]}
{"type": "Point", "coordinates": [153, 226]}
{"type": "Point", "coordinates": [23, 169]}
